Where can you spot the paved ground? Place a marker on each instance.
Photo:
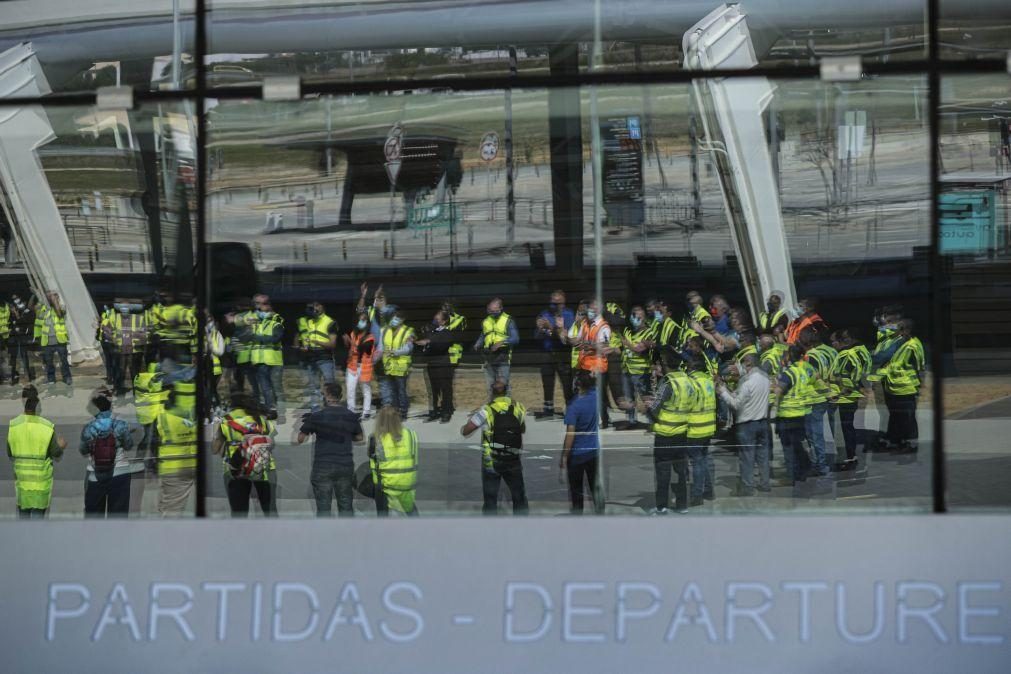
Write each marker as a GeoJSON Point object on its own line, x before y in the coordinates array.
{"type": "Point", "coordinates": [979, 469]}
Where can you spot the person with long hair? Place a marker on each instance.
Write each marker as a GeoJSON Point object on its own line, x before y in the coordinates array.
{"type": "Point", "coordinates": [247, 416]}
{"type": "Point", "coordinates": [393, 456]}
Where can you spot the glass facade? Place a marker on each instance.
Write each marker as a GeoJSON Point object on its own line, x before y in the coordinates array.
{"type": "Point", "coordinates": [465, 207]}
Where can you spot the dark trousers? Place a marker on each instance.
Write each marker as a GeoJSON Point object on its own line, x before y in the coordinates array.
{"type": "Point", "coordinates": [134, 362]}
{"type": "Point", "coordinates": [669, 453]}
{"type": "Point", "coordinates": [440, 377]}
{"type": "Point", "coordinates": [110, 497]}
{"type": "Point", "coordinates": [560, 363]}
{"type": "Point", "coordinates": [902, 426]}
{"type": "Point", "coordinates": [239, 491]}
{"type": "Point", "coordinates": [18, 351]}
{"type": "Point", "coordinates": [847, 417]}
{"type": "Point", "coordinates": [509, 471]}
{"type": "Point", "coordinates": [110, 359]}
{"type": "Point", "coordinates": [32, 513]}
{"type": "Point", "coordinates": [577, 473]}
{"type": "Point", "coordinates": [49, 354]}
{"type": "Point", "coordinates": [328, 481]}
{"type": "Point", "coordinates": [263, 385]}
{"type": "Point", "coordinates": [792, 434]}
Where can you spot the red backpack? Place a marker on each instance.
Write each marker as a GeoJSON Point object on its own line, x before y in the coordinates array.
{"type": "Point", "coordinates": [103, 455]}
{"type": "Point", "coordinates": [251, 459]}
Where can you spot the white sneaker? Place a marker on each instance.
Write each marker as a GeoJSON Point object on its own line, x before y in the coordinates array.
{"type": "Point", "coordinates": [658, 511]}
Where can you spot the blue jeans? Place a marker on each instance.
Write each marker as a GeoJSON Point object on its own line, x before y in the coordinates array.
{"type": "Point", "coordinates": [316, 370]}
{"type": "Point", "coordinates": [393, 391]}
{"type": "Point", "coordinates": [263, 386]}
{"type": "Point", "coordinates": [755, 440]}
{"type": "Point", "coordinates": [703, 467]}
{"type": "Point", "coordinates": [814, 427]}
{"type": "Point", "coordinates": [634, 385]}
{"type": "Point", "coordinates": [495, 371]}
{"type": "Point", "coordinates": [51, 352]}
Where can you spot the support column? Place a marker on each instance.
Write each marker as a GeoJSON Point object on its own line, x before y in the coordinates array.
{"type": "Point", "coordinates": [151, 199]}
{"type": "Point", "coordinates": [566, 141]}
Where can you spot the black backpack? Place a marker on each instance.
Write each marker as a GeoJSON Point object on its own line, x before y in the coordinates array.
{"type": "Point", "coordinates": [507, 431]}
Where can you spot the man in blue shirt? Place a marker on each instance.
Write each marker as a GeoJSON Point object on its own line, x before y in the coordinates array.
{"type": "Point", "coordinates": [581, 451]}
{"type": "Point", "coordinates": [107, 488]}
{"type": "Point", "coordinates": [556, 358]}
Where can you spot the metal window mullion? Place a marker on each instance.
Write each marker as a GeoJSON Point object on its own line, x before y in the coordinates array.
{"type": "Point", "coordinates": [201, 276]}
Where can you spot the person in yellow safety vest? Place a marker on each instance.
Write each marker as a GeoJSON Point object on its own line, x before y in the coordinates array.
{"type": "Point", "coordinates": [149, 396]}
{"type": "Point", "coordinates": [106, 336]}
{"type": "Point", "coordinates": [791, 408]}
{"type": "Point", "coordinates": [33, 445]}
{"type": "Point", "coordinates": [177, 330]}
{"type": "Point", "coordinates": [177, 455]}
{"type": "Point", "coordinates": [614, 316]}
{"type": "Point", "coordinates": [130, 334]}
{"type": "Point", "coordinates": [821, 438]}
{"type": "Point", "coordinates": [496, 342]}
{"type": "Point", "coordinates": [770, 358]}
{"type": "Point", "coordinates": [393, 458]}
{"type": "Point", "coordinates": [669, 411]}
{"type": "Point", "coordinates": [267, 358]}
{"type": "Point", "coordinates": [51, 334]}
{"type": "Point", "coordinates": [574, 331]}
{"type": "Point", "coordinates": [701, 429]}
{"type": "Point", "coordinates": [901, 379]}
{"type": "Point", "coordinates": [502, 424]}
{"type": "Point", "coordinates": [849, 378]}
{"type": "Point", "coordinates": [214, 344]}
{"type": "Point", "coordinates": [887, 340]}
{"type": "Point", "coordinates": [696, 314]}
{"type": "Point", "coordinates": [774, 316]}
{"type": "Point", "coordinates": [637, 342]}
{"type": "Point", "coordinates": [398, 345]}
{"type": "Point", "coordinates": [316, 341]}
{"type": "Point", "coordinates": [668, 330]}
{"type": "Point", "coordinates": [153, 313]}
{"type": "Point", "coordinates": [457, 324]}
{"type": "Point", "coordinates": [239, 327]}
{"type": "Point", "coordinates": [748, 347]}
{"type": "Point", "coordinates": [247, 413]}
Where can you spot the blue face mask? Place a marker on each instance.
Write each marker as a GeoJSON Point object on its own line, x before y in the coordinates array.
{"type": "Point", "coordinates": [636, 321]}
{"type": "Point", "coordinates": [262, 314]}
{"type": "Point", "coordinates": [553, 306]}
{"type": "Point", "coordinates": [362, 324]}
{"type": "Point", "coordinates": [591, 314]}
{"type": "Point", "coordinates": [658, 315]}
{"type": "Point", "coordinates": [396, 321]}
{"type": "Point", "coordinates": [495, 314]}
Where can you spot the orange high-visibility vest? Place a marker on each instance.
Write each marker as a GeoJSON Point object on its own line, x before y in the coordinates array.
{"type": "Point", "coordinates": [592, 360]}
{"type": "Point", "coordinates": [354, 355]}
{"type": "Point", "coordinates": [796, 327]}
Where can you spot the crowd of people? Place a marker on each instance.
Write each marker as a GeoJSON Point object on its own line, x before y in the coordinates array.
{"type": "Point", "coordinates": [685, 374]}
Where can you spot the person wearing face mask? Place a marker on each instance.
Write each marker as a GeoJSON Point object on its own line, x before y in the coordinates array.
{"type": "Point", "coordinates": [901, 379]}
{"type": "Point", "coordinates": [808, 318]}
{"type": "Point", "coordinates": [552, 326]}
{"type": "Point", "coordinates": [637, 343]}
{"type": "Point", "coordinates": [316, 341]}
{"type": "Point", "coordinates": [267, 357]}
{"type": "Point", "coordinates": [774, 315]}
{"type": "Point", "coordinates": [497, 340]}
{"type": "Point", "coordinates": [51, 334]}
{"type": "Point", "coordinates": [594, 347]}
{"type": "Point", "coordinates": [130, 329]}
{"type": "Point", "coordinates": [436, 347]}
{"type": "Point", "coordinates": [360, 344]}
{"type": "Point", "coordinates": [22, 337]}
{"type": "Point", "coordinates": [398, 345]}
{"type": "Point", "coordinates": [668, 331]}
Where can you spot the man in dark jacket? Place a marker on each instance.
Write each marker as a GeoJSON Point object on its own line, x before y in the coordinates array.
{"type": "Point", "coordinates": [436, 345]}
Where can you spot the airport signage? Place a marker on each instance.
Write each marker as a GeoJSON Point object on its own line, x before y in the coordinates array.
{"type": "Point", "coordinates": [489, 146]}
{"type": "Point", "coordinates": [392, 150]}
{"type": "Point", "coordinates": [917, 593]}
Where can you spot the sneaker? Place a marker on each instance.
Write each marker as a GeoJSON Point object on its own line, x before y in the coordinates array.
{"type": "Point", "coordinates": [681, 509]}
{"type": "Point", "coordinates": [445, 420]}
{"type": "Point", "coordinates": [696, 501]}
{"type": "Point", "coordinates": [432, 416]}
{"type": "Point", "coordinates": [658, 511]}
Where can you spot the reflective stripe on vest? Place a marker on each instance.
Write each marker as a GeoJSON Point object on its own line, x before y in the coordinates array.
{"type": "Point", "coordinates": [267, 353]}
{"type": "Point", "coordinates": [394, 339]}
{"type": "Point", "coordinates": [354, 355]}
{"type": "Point", "coordinates": [28, 440]}
{"type": "Point", "coordinates": [702, 419]}
{"type": "Point", "coordinates": [850, 370]}
{"type": "Point", "coordinates": [149, 396]}
{"type": "Point", "coordinates": [668, 332]}
{"type": "Point", "coordinates": [185, 395]}
{"type": "Point", "coordinates": [457, 323]}
{"type": "Point", "coordinates": [592, 360]}
{"type": "Point", "coordinates": [5, 320]}
{"type": "Point", "coordinates": [496, 330]}
{"type": "Point", "coordinates": [42, 330]}
{"type": "Point", "coordinates": [634, 362]}
{"type": "Point", "coordinates": [901, 376]}
{"type": "Point", "coordinates": [822, 358]}
{"type": "Point", "coordinates": [177, 324]}
{"type": "Point", "coordinates": [177, 450]}
{"type": "Point", "coordinates": [314, 333]}
{"type": "Point", "coordinates": [573, 336]}
{"type": "Point", "coordinates": [242, 348]}
{"type": "Point", "coordinates": [672, 417]}
{"type": "Point", "coordinates": [500, 404]}
{"type": "Point", "coordinates": [396, 461]}
{"type": "Point", "coordinates": [136, 328]}
{"type": "Point", "coordinates": [767, 321]}
{"type": "Point", "coordinates": [795, 402]}
{"type": "Point", "coordinates": [749, 350]}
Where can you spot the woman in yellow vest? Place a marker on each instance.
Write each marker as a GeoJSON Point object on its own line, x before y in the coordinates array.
{"type": "Point", "coordinates": [33, 445]}
{"type": "Point", "coordinates": [398, 345]}
{"type": "Point", "coordinates": [393, 456]}
{"type": "Point", "coordinates": [901, 379]}
{"type": "Point", "coordinates": [247, 414]}
{"type": "Point", "coordinates": [177, 456]}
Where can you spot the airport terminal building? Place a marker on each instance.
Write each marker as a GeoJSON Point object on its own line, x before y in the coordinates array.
{"type": "Point", "coordinates": [299, 293]}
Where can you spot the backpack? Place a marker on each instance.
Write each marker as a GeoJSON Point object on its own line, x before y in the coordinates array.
{"type": "Point", "coordinates": [103, 455]}
{"type": "Point", "coordinates": [507, 434]}
{"type": "Point", "coordinates": [251, 459]}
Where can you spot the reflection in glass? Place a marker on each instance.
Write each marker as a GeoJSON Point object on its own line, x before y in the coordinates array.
{"type": "Point", "coordinates": [96, 312]}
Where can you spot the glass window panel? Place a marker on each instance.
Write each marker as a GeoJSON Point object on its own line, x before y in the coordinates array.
{"type": "Point", "coordinates": [301, 208]}
{"type": "Point", "coordinates": [98, 208]}
{"type": "Point", "coordinates": [974, 206]}
{"type": "Point", "coordinates": [974, 30]}
{"type": "Point", "coordinates": [85, 45]}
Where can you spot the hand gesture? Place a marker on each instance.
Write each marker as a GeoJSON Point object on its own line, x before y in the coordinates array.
{"type": "Point", "coordinates": [365, 288]}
